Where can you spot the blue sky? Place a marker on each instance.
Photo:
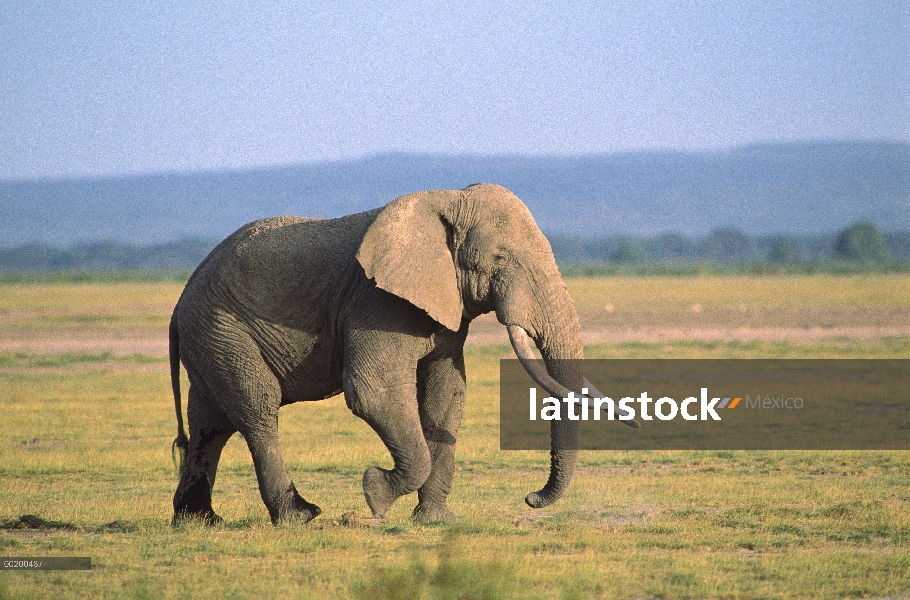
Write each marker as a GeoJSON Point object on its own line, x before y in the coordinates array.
{"type": "Point", "coordinates": [127, 87]}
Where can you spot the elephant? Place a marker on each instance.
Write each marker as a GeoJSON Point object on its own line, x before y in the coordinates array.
{"type": "Point", "coordinates": [376, 305]}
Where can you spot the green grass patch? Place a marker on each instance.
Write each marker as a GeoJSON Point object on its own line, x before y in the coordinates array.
{"type": "Point", "coordinates": [62, 359]}
{"type": "Point", "coordinates": [101, 276]}
{"type": "Point", "coordinates": [681, 524]}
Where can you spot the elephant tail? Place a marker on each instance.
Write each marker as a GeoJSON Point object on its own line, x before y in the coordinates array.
{"type": "Point", "coordinates": [181, 442]}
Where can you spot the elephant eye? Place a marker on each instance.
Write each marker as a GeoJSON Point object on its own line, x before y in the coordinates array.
{"type": "Point", "coordinates": [501, 258]}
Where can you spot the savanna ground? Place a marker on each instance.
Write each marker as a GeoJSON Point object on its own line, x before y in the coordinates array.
{"type": "Point", "coordinates": [87, 424]}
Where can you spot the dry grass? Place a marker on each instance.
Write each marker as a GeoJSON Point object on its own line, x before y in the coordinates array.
{"type": "Point", "coordinates": [85, 443]}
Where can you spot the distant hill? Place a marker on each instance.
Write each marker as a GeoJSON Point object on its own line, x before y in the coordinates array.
{"type": "Point", "coordinates": [802, 189]}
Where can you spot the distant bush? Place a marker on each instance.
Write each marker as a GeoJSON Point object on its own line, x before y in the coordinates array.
{"type": "Point", "coordinates": [728, 243]}
{"type": "Point", "coordinates": [784, 251]}
{"type": "Point", "coordinates": [629, 251]}
{"type": "Point", "coordinates": [861, 241]}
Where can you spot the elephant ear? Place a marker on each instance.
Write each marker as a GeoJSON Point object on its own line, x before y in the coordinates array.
{"type": "Point", "coordinates": [406, 251]}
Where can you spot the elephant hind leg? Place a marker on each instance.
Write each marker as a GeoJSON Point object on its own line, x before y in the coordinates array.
{"type": "Point", "coordinates": [209, 432]}
{"type": "Point", "coordinates": [278, 491]}
{"type": "Point", "coordinates": [248, 395]}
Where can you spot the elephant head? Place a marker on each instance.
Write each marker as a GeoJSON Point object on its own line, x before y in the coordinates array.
{"type": "Point", "coordinates": [458, 254]}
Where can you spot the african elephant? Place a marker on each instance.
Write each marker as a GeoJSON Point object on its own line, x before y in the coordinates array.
{"type": "Point", "coordinates": [377, 305]}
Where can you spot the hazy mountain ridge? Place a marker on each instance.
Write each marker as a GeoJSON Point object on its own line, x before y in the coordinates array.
{"type": "Point", "coordinates": [788, 188]}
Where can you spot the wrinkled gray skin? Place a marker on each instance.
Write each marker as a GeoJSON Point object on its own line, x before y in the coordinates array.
{"type": "Point", "coordinates": [376, 305]}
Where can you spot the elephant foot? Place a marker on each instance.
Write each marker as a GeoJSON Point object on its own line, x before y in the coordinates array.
{"type": "Point", "coordinates": [300, 511]}
{"type": "Point", "coordinates": [304, 515]}
{"type": "Point", "coordinates": [378, 492]}
{"type": "Point", "coordinates": [425, 513]}
{"type": "Point", "coordinates": [207, 517]}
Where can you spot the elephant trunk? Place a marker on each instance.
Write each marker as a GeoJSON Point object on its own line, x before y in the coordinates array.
{"type": "Point", "coordinates": [556, 333]}
{"type": "Point", "coordinates": [563, 433]}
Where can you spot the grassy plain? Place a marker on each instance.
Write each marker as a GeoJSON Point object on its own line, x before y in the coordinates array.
{"type": "Point", "coordinates": [88, 421]}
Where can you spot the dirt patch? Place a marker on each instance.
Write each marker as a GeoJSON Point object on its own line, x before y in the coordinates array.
{"type": "Point", "coordinates": [803, 325]}
{"type": "Point", "coordinates": [629, 518]}
{"type": "Point", "coordinates": [634, 515]}
{"type": "Point", "coordinates": [528, 518]}
{"type": "Point", "coordinates": [662, 468]}
{"type": "Point", "coordinates": [34, 522]}
{"type": "Point", "coordinates": [700, 317]}
{"type": "Point", "coordinates": [35, 526]}
{"type": "Point", "coordinates": [355, 521]}
{"type": "Point", "coordinates": [59, 342]}
{"type": "Point", "coordinates": [38, 444]}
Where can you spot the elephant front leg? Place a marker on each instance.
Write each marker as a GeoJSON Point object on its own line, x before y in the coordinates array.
{"type": "Point", "coordinates": [390, 408]}
{"type": "Point", "coordinates": [441, 397]}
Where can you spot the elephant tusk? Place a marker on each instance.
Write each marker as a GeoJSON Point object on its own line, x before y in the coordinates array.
{"type": "Point", "coordinates": [593, 392]}
{"type": "Point", "coordinates": [521, 344]}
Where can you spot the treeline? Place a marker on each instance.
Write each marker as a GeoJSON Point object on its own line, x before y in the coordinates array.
{"type": "Point", "coordinates": [179, 255]}
{"type": "Point", "coordinates": [861, 244]}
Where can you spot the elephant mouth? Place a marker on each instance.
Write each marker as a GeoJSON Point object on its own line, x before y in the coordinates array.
{"type": "Point", "coordinates": [521, 344]}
